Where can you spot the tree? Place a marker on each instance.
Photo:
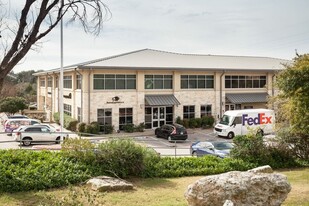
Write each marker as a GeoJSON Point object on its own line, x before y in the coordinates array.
{"type": "Point", "coordinates": [37, 19]}
{"type": "Point", "coordinates": [293, 84]}
{"type": "Point", "coordinates": [12, 105]}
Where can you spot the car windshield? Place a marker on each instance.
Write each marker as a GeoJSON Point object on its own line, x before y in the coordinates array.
{"type": "Point", "coordinates": [225, 120]}
{"type": "Point", "coordinates": [223, 145]}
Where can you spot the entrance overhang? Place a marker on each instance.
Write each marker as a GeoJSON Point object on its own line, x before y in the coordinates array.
{"type": "Point", "coordinates": [161, 100]}
{"type": "Point", "coordinates": [240, 98]}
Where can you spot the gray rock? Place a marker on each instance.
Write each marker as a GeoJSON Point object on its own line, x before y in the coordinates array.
{"type": "Point", "coordinates": [262, 169]}
{"type": "Point", "coordinates": [240, 188]}
{"type": "Point", "coordinates": [105, 183]}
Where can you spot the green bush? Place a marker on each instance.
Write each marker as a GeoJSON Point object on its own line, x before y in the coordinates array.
{"type": "Point", "coordinates": [68, 122]}
{"type": "Point", "coordinates": [193, 123]}
{"type": "Point", "coordinates": [81, 127]}
{"type": "Point", "coordinates": [23, 170]}
{"type": "Point", "coordinates": [95, 127]}
{"type": "Point", "coordinates": [208, 121]}
{"type": "Point", "coordinates": [185, 123]}
{"type": "Point", "coordinates": [179, 121]}
{"type": "Point", "coordinates": [72, 126]}
{"type": "Point", "coordinates": [140, 127]}
{"type": "Point", "coordinates": [129, 128]}
{"type": "Point", "coordinates": [251, 148]}
{"type": "Point", "coordinates": [108, 129]}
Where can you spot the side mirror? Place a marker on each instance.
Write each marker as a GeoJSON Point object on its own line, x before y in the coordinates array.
{"type": "Point", "coordinates": [233, 124]}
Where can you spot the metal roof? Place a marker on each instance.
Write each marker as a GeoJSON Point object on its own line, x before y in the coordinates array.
{"type": "Point", "coordinates": [160, 100]}
{"type": "Point", "coordinates": [238, 98]}
{"type": "Point", "coordinates": [147, 59]}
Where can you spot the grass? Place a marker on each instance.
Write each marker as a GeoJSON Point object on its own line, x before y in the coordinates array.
{"type": "Point", "coordinates": [150, 192]}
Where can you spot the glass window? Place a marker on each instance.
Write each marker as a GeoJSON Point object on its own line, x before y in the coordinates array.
{"type": "Point", "coordinates": [158, 82]}
{"type": "Point", "coordinates": [206, 110]}
{"type": "Point", "coordinates": [78, 81]}
{"type": "Point", "coordinates": [125, 117]}
{"type": "Point", "coordinates": [42, 82]}
{"type": "Point", "coordinates": [67, 109]}
{"type": "Point", "coordinates": [50, 82]}
{"type": "Point", "coordinates": [189, 112]}
{"type": "Point", "coordinates": [67, 82]}
{"type": "Point", "coordinates": [79, 114]}
{"type": "Point", "coordinates": [197, 81]}
{"type": "Point", "coordinates": [245, 81]}
{"type": "Point", "coordinates": [114, 81]}
{"type": "Point", "coordinates": [104, 117]}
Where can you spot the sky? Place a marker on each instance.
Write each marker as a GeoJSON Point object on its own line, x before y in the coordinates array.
{"type": "Point", "coordinates": [268, 28]}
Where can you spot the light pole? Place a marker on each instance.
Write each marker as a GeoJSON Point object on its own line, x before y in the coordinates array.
{"type": "Point", "coordinates": [61, 76]}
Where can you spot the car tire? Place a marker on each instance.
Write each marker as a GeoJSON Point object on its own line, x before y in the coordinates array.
{"type": "Point", "coordinates": [27, 141]}
{"type": "Point", "coordinates": [194, 154]}
{"type": "Point", "coordinates": [58, 140]}
{"type": "Point", "coordinates": [230, 135]}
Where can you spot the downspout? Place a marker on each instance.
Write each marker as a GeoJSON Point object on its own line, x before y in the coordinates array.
{"type": "Point", "coordinates": [51, 90]}
{"type": "Point", "coordinates": [223, 72]}
{"type": "Point", "coordinates": [81, 94]}
{"type": "Point", "coordinates": [273, 89]}
{"type": "Point", "coordinates": [89, 74]}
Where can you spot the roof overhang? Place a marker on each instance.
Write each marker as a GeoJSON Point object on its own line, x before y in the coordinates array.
{"type": "Point", "coordinates": [240, 98]}
{"type": "Point", "coordinates": [161, 100]}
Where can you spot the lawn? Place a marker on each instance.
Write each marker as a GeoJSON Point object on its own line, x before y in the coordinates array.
{"type": "Point", "coordinates": [150, 192]}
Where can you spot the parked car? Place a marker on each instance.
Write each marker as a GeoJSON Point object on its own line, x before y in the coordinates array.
{"type": "Point", "coordinates": [15, 116]}
{"type": "Point", "coordinates": [36, 133]}
{"type": "Point", "coordinates": [51, 127]}
{"type": "Point", "coordinates": [172, 132]}
{"type": "Point", "coordinates": [12, 124]}
{"type": "Point", "coordinates": [218, 148]}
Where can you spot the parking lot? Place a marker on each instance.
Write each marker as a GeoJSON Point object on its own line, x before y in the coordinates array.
{"type": "Point", "coordinates": [148, 138]}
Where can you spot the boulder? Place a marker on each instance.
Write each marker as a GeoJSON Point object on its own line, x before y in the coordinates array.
{"type": "Point", "coordinates": [254, 187]}
{"type": "Point", "coordinates": [105, 183]}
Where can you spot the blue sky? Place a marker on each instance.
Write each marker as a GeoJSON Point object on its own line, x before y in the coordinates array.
{"type": "Point", "coordinates": [273, 28]}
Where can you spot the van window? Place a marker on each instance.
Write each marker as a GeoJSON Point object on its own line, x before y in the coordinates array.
{"type": "Point", "coordinates": [237, 120]}
{"type": "Point", "coordinates": [225, 120]}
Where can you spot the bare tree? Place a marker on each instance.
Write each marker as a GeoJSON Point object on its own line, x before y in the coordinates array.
{"type": "Point", "coordinates": [37, 19]}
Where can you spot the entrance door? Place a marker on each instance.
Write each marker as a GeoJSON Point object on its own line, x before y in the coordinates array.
{"type": "Point", "coordinates": [158, 116]}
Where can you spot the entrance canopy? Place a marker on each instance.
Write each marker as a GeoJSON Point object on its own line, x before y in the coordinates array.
{"type": "Point", "coordinates": [239, 98]}
{"type": "Point", "coordinates": [161, 100]}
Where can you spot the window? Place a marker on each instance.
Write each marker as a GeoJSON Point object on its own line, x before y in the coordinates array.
{"type": "Point", "coordinates": [245, 81]}
{"type": "Point", "coordinates": [67, 82]}
{"type": "Point", "coordinates": [205, 110]}
{"type": "Point", "coordinates": [197, 81]}
{"type": "Point", "coordinates": [125, 117]}
{"type": "Point", "coordinates": [189, 112]}
{"type": "Point", "coordinates": [78, 81]}
{"type": "Point", "coordinates": [114, 81]}
{"type": "Point", "coordinates": [67, 109]}
{"type": "Point", "coordinates": [237, 120]}
{"type": "Point", "coordinates": [57, 82]}
{"type": "Point", "coordinates": [49, 82]}
{"type": "Point", "coordinates": [104, 117]}
{"type": "Point", "coordinates": [79, 114]}
{"type": "Point", "coordinates": [42, 82]}
{"type": "Point", "coordinates": [158, 82]}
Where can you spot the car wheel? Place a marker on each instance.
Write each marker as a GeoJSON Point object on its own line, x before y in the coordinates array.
{"type": "Point", "coordinates": [194, 154]}
{"type": "Point", "coordinates": [27, 141]}
{"type": "Point", "coordinates": [230, 135]}
{"type": "Point", "coordinates": [58, 140]}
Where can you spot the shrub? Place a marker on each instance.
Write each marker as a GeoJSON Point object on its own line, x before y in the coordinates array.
{"type": "Point", "coordinates": [179, 121]}
{"type": "Point", "coordinates": [95, 127]}
{"type": "Point", "coordinates": [81, 127]}
{"type": "Point", "coordinates": [251, 148]}
{"type": "Point", "coordinates": [185, 123]}
{"type": "Point", "coordinates": [72, 125]}
{"type": "Point", "coordinates": [108, 129]}
{"type": "Point", "coordinates": [140, 127]}
{"type": "Point", "coordinates": [128, 128]}
{"type": "Point", "coordinates": [207, 121]}
{"type": "Point", "coordinates": [66, 121]}
{"type": "Point", "coordinates": [198, 122]}
{"type": "Point", "coordinates": [192, 123]}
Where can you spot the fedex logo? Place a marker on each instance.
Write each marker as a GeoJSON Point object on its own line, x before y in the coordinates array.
{"type": "Point", "coordinates": [260, 119]}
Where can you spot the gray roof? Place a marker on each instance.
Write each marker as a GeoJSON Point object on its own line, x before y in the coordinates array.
{"type": "Point", "coordinates": [160, 100]}
{"type": "Point", "coordinates": [238, 98]}
{"type": "Point", "coordinates": [154, 59]}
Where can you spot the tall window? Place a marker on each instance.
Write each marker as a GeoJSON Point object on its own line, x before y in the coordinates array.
{"type": "Point", "coordinates": [57, 82]}
{"type": "Point", "coordinates": [104, 117]}
{"type": "Point", "coordinates": [189, 112]}
{"type": "Point", "coordinates": [158, 82]}
{"type": "Point", "coordinates": [197, 81]}
{"type": "Point", "coordinates": [79, 114]}
{"type": "Point", "coordinates": [67, 109]}
{"type": "Point", "coordinates": [245, 81]}
{"type": "Point", "coordinates": [125, 117]}
{"type": "Point", "coordinates": [114, 81]}
{"type": "Point", "coordinates": [205, 110]}
{"type": "Point", "coordinates": [78, 81]}
{"type": "Point", "coordinates": [50, 82]}
{"type": "Point", "coordinates": [42, 82]}
{"type": "Point", "coordinates": [67, 82]}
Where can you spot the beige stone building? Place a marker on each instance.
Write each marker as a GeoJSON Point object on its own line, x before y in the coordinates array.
{"type": "Point", "coordinates": [155, 87]}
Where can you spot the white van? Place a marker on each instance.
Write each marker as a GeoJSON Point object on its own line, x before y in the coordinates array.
{"type": "Point", "coordinates": [12, 124]}
{"type": "Point", "coordinates": [240, 122]}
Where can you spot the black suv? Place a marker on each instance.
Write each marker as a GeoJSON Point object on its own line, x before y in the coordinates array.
{"type": "Point", "coordinates": [172, 132]}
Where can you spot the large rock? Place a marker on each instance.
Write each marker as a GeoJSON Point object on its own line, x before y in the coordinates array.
{"type": "Point", "coordinates": [105, 183]}
{"type": "Point", "coordinates": [239, 188]}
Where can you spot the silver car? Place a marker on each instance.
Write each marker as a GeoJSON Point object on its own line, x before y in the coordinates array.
{"type": "Point", "coordinates": [36, 133]}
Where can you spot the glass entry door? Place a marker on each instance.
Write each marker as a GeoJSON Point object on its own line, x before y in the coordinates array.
{"type": "Point", "coordinates": [158, 116]}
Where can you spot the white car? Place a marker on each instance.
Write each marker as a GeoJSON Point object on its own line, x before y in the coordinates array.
{"type": "Point", "coordinates": [37, 133]}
